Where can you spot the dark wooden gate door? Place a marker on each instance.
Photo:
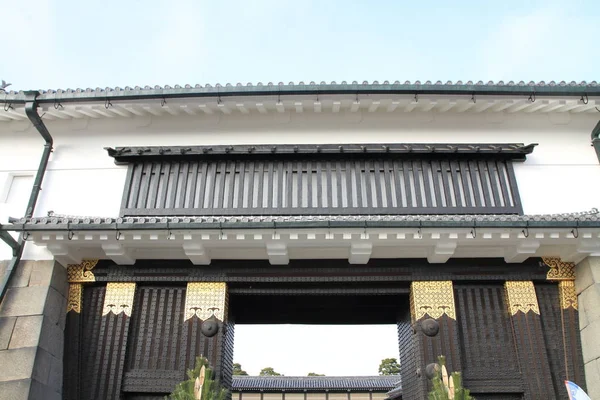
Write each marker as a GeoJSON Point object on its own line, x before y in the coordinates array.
{"type": "Point", "coordinates": [141, 356]}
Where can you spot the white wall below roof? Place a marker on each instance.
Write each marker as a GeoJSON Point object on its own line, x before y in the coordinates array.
{"type": "Point", "coordinates": [561, 175]}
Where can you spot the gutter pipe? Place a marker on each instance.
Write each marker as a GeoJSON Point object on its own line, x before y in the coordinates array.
{"type": "Point", "coordinates": [17, 246]}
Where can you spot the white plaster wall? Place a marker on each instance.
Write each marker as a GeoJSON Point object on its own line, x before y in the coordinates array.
{"type": "Point", "coordinates": [562, 175]}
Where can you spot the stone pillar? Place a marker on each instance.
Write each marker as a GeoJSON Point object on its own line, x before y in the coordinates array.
{"type": "Point", "coordinates": [32, 322]}
{"type": "Point", "coordinates": [587, 285]}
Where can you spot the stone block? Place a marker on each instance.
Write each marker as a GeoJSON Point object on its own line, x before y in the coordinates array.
{"type": "Point", "coordinates": [55, 307]}
{"type": "Point", "coordinates": [583, 320]}
{"type": "Point", "coordinates": [592, 379]}
{"type": "Point", "coordinates": [41, 273]}
{"type": "Point", "coordinates": [40, 391]}
{"type": "Point", "coordinates": [589, 341]}
{"type": "Point", "coordinates": [7, 324]}
{"type": "Point", "coordinates": [55, 379]}
{"type": "Point", "coordinates": [15, 390]}
{"type": "Point", "coordinates": [52, 338]}
{"type": "Point", "coordinates": [21, 363]}
{"type": "Point", "coordinates": [59, 278]}
{"type": "Point", "coordinates": [23, 301]}
{"type": "Point", "coordinates": [3, 266]}
{"type": "Point", "coordinates": [27, 332]}
{"type": "Point", "coordinates": [587, 273]}
{"type": "Point", "coordinates": [21, 274]}
{"type": "Point", "coordinates": [589, 301]}
{"type": "Point", "coordinates": [42, 366]}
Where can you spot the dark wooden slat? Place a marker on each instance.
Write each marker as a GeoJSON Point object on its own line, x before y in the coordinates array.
{"type": "Point", "coordinates": [271, 187]}
{"type": "Point", "coordinates": [259, 189]}
{"type": "Point", "coordinates": [503, 184]}
{"type": "Point", "coordinates": [377, 176]}
{"type": "Point", "coordinates": [418, 195]}
{"type": "Point", "coordinates": [367, 175]}
{"type": "Point", "coordinates": [426, 168]}
{"type": "Point", "coordinates": [241, 188]}
{"type": "Point", "coordinates": [407, 185]}
{"type": "Point", "coordinates": [456, 183]}
{"type": "Point", "coordinates": [280, 192]}
{"type": "Point", "coordinates": [300, 183]}
{"type": "Point", "coordinates": [485, 181]}
{"type": "Point", "coordinates": [154, 183]}
{"type": "Point", "coordinates": [309, 183]}
{"type": "Point", "coordinates": [329, 185]}
{"type": "Point", "coordinates": [495, 189]}
{"type": "Point", "coordinates": [250, 185]}
{"type": "Point", "coordinates": [399, 187]}
{"type": "Point", "coordinates": [143, 190]}
{"type": "Point", "coordinates": [191, 196]}
{"type": "Point", "coordinates": [174, 181]}
{"type": "Point", "coordinates": [387, 187]}
{"type": "Point", "coordinates": [444, 167]}
{"type": "Point", "coordinates": [182, 189]}
{"type": "Point", "coordinates": [319, 203]}
{"type": "Point", "coordinates": [203, 175]}
{"type": "Point", "coordinates": [437, 183]}
{"type": "Point", "coordinates": [211, 178]}
{"type": "Point", "coordinates": [220, 199]}
{"type": "Point", "coordinates": [476, 193]}
{"type": "Point", "coordinates": [135, 185]}
{"type": "Point", "coordinates": [349, 195]}
{"type": "Point", "coordinates": [231, 191]}
{"type": "Point", "coordinates": [338, 184]}
{"type": "Point", "coordinates": [163, 185]}
{"type": "Point", "coordinates": [514, 188]}
{"type": "Point", "coordinates": [288, 186]}
{"type": "Point", "coordinates": [464, 175]}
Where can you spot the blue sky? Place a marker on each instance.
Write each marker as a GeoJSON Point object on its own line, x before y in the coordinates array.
{"type": "Point", "coordinates": [69, 44]}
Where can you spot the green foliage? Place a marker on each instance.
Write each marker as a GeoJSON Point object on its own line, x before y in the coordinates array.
{"type": "Point", "coordinates": [268, 371]}
{"type": "Point", "coordinates": [211, 389]}
{"type": "Point", "coordinates": [237, 369]}
{"type": "Point", "coordinates": [315, 374]}
{"type": "Point", "coordinates": [440, 391]}
{"type": "Point", "coordinates": [389, 366]}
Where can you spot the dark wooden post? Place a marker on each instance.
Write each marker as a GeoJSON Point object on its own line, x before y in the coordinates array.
{"type": "Point", "coordinates": [529, 339]}
{"type": "Point", "coordinates": [428, 300]}
{"type": "Point", "coordinates": [208, 301]}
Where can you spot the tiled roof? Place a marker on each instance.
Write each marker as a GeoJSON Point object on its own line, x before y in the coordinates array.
{"type": "Point", "coordinates": [583, 219]}
{"type": "Point", "coordinates": [276, 383]}
{"type": "Point", "coordinates": [324, 87]}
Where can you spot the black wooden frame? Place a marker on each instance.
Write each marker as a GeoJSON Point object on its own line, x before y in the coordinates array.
{"type": "Point", "coordinates": [389, 181]}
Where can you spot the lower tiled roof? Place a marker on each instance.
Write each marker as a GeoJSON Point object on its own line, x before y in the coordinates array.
{"type": "Point", "coordinates": [301, 383]}
{"type": "Point", "coordinates": [55, 221]}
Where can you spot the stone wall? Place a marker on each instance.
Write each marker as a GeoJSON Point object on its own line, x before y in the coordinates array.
{"type": "Point", "coordinates": [32, 322]}
{"type": "Point", "coordinates": [588, 295]}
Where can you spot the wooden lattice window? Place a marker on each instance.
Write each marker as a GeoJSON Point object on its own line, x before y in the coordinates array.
{"type": "Point", "coordinates": [322, 184]}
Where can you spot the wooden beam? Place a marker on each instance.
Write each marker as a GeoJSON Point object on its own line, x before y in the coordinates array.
{"type": "Point", "coordinates": [393, 106]}
{"type": "Point", "coordinates": [336, 106]}
{"type": "Point", "coordinates": [411, 106]}
{"type": "Point", "coordinates": [242, 108]}
{"type": "Point", "coordinates": [261, 108]}
{"type": "Point", "coordinates": [205, 108]}
{"type": "Point", "coordinates": [483, 105]}
{"type": "Point", "coordinates": [374, 106]}
{"type": "Point", "coordinates": [428, 105]}
{"type": "Point", "coordinates": [317, 106]}
{"type": "Point", "coordinates": [518, 106]}
{"type": "Point", "coordinates": [299, 107]}
{"type": "Point", "coordinates": [280, 107]}
{"type": "Point", "coordinates": [466, 105]}
{"type": "Point", "coordinates": [446, 106]}
{"type": "Point", "coordinates": [223, 108]}
{"type": "Point", "coordinates": [355, 106]}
